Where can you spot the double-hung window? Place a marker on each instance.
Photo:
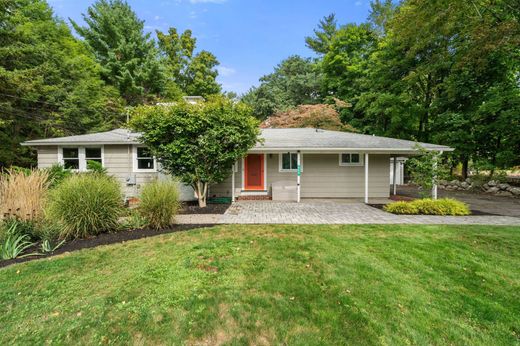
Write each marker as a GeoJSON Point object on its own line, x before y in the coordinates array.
{"type": "Point", "coordinates": [350, 159]}
{"type": "Point", "coordinates": [144, 160]}
{"type": "Point", "coordinates": [70, 158]}
{"type": "Point", "coordinates": [289, 162]}
{"type": "Point", "coordinates": [77, 158]}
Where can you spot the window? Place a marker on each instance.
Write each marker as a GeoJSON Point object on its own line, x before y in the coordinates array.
{"type": "Point", "coordinates": [93, 154]}
{"type": "Point", "coordinates": [71, 158]}
{"type": "Point", "coordinates": [77, 158]}
{"type": "Point", "coordinates": [144, 159]}
{"type": "Point", "coordinates": [289, 162]}
{"type": "Point", "coordinates": [350, 159]}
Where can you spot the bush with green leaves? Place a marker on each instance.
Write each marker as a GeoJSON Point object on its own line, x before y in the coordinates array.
{"type": "Point", "coordinates": [14, 243]}
{"type": "Point", "coordinates": [159, 203]}
{"type": "Point", "coordinates": [57, 173]}
{"type": "Point", "coordinates": [426, 206]}
{"type": "Point", "coordinates": [85, 205]}
{"type": "Point", "coordinates": [96, 167]}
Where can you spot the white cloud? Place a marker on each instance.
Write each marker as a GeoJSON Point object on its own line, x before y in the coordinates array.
{"type": "Point", "coordinates": [157, 17]}
{"type": "Point", "coordinates": [208, 1]}
{"type": "Point", "coordinates": [225, 71]}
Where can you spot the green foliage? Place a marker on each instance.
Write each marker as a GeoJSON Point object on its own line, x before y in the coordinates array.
{"type": "Point", "coordinates": [159, 203]}
{"type": "Point", "coordinates": [127, 56]}
{"type": "Point", "coordinates": [401, 207]}
{"type": "Point", "coordinates": [295, 81]}
{"type": "Point", "coordinates": [96, 167]}
{"type": "Point", "coordinates": [133, 220]}
{"type": "Point", "coordinates": [57, 173]}
{"type": "Point", "coordinates": [444, 206]}
{"type": "Point", "coordinates": [323, 35]}
{"type": "Point", "coordinates": [14, 243]}
{"type": "Point", "coordinates": [50, 82]}
{"type": "Point", "coordinates": [427, 169]}
{"type": "Point", "coordinates": [48, 247]}
{"type": "Point", "coordinates": [197, 143]}
{"type": "Point", "coordinates": [85, 204]}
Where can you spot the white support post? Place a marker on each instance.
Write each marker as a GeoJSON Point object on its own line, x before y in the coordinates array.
{"type": "Point", "coordinates": [395, 176]}
{"type": "Point", "coordinates": [233, 183]}
{"type": "Point", "coordinates": [298, 179]}
{"type": "Point", "coordinates": [434, 187]}
{"type": "Point", "coordinates": [366, 178]}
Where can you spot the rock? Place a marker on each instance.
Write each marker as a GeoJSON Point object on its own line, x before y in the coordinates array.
{"type": "Point", "coordinates": [454, 182]}
{"type": "Point", "coordinates": [468, 180]}
{"type": "Point", "coordinates": [492, 183]}
{"type": "Point", "coordinates": [493, 189]}
{"type": "Point", "coordinates": [504, 194]}
{"type": "Point", "coordinates": [503, 186]}
{"type": "Point", "coordinates": [485, 187]}
{"type": "Point", "coordinates": [464, 185]}
{"type": "Point", "coordinates": [515, 191]}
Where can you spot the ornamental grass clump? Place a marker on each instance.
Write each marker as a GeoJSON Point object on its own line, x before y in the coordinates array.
{"type": "Point", "coordinates": [159, 203]}
{"type": "Point", "coordinates": [23, 194]}
{"type": "Point", "coordinates": [427, 206]}
{"type": "Point", "coordinates": [85, 205]}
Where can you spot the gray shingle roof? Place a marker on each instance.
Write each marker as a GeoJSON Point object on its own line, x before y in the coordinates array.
{"type": "Point", "coordinates": [312, 139]}
{"type": "Point", "coordinates": [273, 140]}
{"type": "Point", "coordinates": [117, 136]}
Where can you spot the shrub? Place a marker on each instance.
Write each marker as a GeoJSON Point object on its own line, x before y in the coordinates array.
{"type": "Point", "coordinates": [134, 220]}
{"type": "Point", "coordinates": [159, 203]}
{"type": "Point", "coordinates": [445, 206]}
{"type": "Point", "coordinates": [22, 195]}
{"type": "Point", "coordinates": [57, 173]}
{"type": "Point", "coordinates": [96, 167]}
{"type": "Point", "coordinates": [14, 243]}
{"type": "Point", "coordinates": [85, 204]}
{"type": "Point", "coordinates": [401, 207]}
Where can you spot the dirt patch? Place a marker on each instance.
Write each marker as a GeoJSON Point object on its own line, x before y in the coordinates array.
{"type": "Point", "coordinates": [193, 208]}
{"type": "Point", "coordinates": [104, 239]}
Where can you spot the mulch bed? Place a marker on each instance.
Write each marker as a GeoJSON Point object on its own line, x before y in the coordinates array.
{"type": "Point", "coordinates": [103, 239]}
{"type": "Point", "coordinates": [473, 211]}
{"type": "Point", "coordinates": [193, 208]}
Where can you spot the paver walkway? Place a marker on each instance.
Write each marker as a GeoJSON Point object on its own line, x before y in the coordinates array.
{"type": "Point", "coordinates": [319, 212]}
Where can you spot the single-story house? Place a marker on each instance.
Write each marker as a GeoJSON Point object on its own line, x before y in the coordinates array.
{"type": "Point", "coordinates": [287, 164]}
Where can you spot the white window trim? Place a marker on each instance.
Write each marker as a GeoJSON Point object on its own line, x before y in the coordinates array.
{"type": "Point", "coordinates": [81, 156]}
{"type": "Point", "coordinates": [357, 164]}
{"type": "Point", "coordinates": [134, 161]}
{"type": "Point", "coordinates": [295, 170]}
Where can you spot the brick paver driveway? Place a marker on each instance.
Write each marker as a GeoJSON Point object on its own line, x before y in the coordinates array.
{"type": "Point", "coordinates": [330, 212]}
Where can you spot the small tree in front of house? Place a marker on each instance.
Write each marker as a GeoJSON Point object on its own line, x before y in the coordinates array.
{"type": "Point", "coordinates": [427, 170]}
{"type": "Point", "coordinates": [197, 143]}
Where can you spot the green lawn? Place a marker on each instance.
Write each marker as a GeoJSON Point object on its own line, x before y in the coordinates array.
{"type": "Point", "coordinates": [308, 285]}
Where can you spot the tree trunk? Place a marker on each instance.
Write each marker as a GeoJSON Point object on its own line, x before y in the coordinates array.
{"type": "Point", "coordinates": [201, 190]}
{"type": "Point", "coordinates": [464, 168]}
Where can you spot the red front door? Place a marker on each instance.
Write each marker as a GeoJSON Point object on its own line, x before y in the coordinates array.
{"type": "Point", "coordinates": [254, 172]}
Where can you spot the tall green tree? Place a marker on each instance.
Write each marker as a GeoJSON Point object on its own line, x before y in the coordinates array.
{"type": "Point", "coordinates": [127, 55]}
{"type": "Point", "coordinates": [294, 81]}
{"type": "Point", "coordinates": [323, 35]}
{"type": "Point", "coordinates": [49, 82]}
{"type": "Point", "coordinates": [187, 72]}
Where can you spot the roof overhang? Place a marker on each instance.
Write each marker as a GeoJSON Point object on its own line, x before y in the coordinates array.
{"type": "Point", "coordinates": [47, 144]}
{"type": "Point", "coordinates": [399, 151]}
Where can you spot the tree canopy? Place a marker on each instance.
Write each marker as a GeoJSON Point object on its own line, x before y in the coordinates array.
{"type": "Point", "coordinates": [198, 143]}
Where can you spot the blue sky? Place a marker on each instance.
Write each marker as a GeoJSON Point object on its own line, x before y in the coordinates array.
{"type": "Point", "coordinates": [249, 37]}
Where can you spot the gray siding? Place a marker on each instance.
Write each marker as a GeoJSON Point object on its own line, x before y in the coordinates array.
{"type": "Point", "coordinates": [117, 161]}
{"type": "Point", "coordinates": [47, 156]}
{"type": "Point", "coordinates": [323, 177]}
